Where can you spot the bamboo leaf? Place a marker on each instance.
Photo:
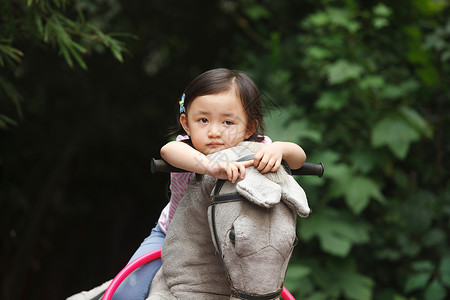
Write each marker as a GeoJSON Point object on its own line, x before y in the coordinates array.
{"type": "Point", "coordinates": [3, 125]}
{"type": "Point", "coordinates": [77, 56]}
{"type": "Point", "coordinates": [11, 52]}
{"type": "Point", "coordinates": [65, 53]}
{"type": "Point", "coordinates": [5, 120]}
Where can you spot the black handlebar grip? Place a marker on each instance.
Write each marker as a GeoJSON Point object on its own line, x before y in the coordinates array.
{"type": "Point", "coordinates": [160, 165]}
{"type": "Point", "coordinates": [310, 169]}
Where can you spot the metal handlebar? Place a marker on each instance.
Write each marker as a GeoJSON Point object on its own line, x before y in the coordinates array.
{"type": "Point", "coordinates": [158, 165]}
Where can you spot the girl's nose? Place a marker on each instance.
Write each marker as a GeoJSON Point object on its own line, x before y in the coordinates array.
{"type": "Point", "coordinates": [214, 131]}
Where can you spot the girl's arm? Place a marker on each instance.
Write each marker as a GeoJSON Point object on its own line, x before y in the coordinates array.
{"type": "Point", "coordinates": [269, 157]}
{"type": "Point", "coordinates": [183, 156]}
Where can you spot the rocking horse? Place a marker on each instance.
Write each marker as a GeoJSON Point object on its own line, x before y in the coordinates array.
{"type": "Point", "coordinates": [229, 240]}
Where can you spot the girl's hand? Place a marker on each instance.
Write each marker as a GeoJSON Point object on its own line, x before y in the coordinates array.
{"type": "Point", "coordinates": [228, 170]}
{"type": "Point", "coordinates": [268, 158]}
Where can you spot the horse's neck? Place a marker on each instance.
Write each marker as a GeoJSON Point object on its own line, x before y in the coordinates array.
{"type": "Point", "coordinates": [190, 262]}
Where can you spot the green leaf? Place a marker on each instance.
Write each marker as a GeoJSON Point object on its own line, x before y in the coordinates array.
{"type": "Point", "coordinates": [296, 273]}
{"type": "Point", "coordinates": [423, 266]}
{"type": "Point", "coordinates": [6, 120]}
{"type": "Point", "coordinates": [275, 38]}
{"type": "Point", "coordinates": [444, 270]}
{"type": "Point", "coordinates": [333, 100]}
{"type": "Point", "coordinates": [11, 52]}
{"type": "Point", "coordinates": [358, 287]}
{"type": "Point", "coordinates": [256, 12]}
{"type": "Point", "coordinates": [429, 7]}
{"type": "Point", "coordinates": [341, 173]}
{"type": "Point", "coordinates": [342, 71]}
{"type": "Point", "coordinates": [75, 49]}
{"type": "Point", "coordinates": [380, 22]}
{"type": "Point", "coordinates": [318, 19]}
{"type": "Point", "coordinates": [38, 21]}
{"type": "Point", "coordinates": [402, 89]}
{"type": "Point", "coordinates": [65, 52]}
{"type": "Point", "coordinates": [364, 160]}
{"type": "Point", "coordinates": [340, 280]}
{"type": "Point", "coordinates": [382, 10]}
{"type": "Point", "coordinates": [280, 126]}
{"type": "Point", "coordinates": [429, 74]}
{"type": "Point", "coordinates": [435, 291]}
{"type": "Point", "coordinates": [359, 191]}
{"type": "Point", "coordinates": [417, 281]}
{"type": "Point", "coordinates": [434, 237]}
{"type": "Point", "coordinates": [371, 82]}
{"type": "Point", "coordinates": [3, 125]}
{"type": "Point", "coordinates": [319, 296]}
{"type": "Point", "coordinates": [344, 18]}
{"type": "Point", "coordinates": [318, 53]}
{"type": "Point", "coordinates": [336, 231]}
{"type": "Point", "coordinates": [331, 157]}
{"type": "Point", "coordinates": [396, 133]}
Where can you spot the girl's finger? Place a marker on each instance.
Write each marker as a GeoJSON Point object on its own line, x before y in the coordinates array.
{"type": "Point", "coordinates": [277, 166]}
{"type": "Point", "coordinates": [247, 163]}
{"type": "Point", "coordinates": [266, 169]}
{"type": "Point", "coordinates": [257, 158]}
{"type": "Point", "coordinates": [242, 171]}
{"type": "Point", "coordinates": [262, 164]}
{"type": "Point", "coordinates": [235, 174]}
{"type": "Point", "coordinates": [269, 166]}
{"type": "Point", "coordinates": [229, 172]}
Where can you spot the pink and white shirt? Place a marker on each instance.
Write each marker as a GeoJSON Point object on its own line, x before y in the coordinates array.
{"type": "Point", "coordinates": [178, 185]}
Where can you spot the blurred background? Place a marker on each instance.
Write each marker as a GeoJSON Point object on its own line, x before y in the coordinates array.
{"type": "Point", "coordinates": [88, 92]}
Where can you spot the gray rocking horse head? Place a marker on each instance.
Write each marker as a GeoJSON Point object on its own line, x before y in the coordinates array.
{"type": "Point", "coordinates": [231, 240]}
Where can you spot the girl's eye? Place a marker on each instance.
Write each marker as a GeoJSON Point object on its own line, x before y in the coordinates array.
{"type": "Point", "coordinates": [228, 122]}
{"type": "Point", "coordinates": [203, 120]}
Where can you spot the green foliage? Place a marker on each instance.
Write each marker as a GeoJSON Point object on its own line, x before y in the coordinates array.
{"type": "Point", "coordinates": [337, 232]}
{"type": "Point", "coordinates": [424, 277]}
{"type": "Point", "coordinates": [362, 86]}
{"type": "Point", "coordinates": [50, 23]}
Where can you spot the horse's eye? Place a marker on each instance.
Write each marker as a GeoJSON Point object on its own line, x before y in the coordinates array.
{"type": "Point", "coordinates": [232, 235]}
{"type": "Point", "coordinates": [295, 241]}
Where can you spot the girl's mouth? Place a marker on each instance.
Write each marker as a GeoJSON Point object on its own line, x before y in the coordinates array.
{"type": "Point", "coordinates": [215, 144]}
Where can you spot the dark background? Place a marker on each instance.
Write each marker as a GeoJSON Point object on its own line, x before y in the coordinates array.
{"type": "Point", "coordinates": [78, 166]}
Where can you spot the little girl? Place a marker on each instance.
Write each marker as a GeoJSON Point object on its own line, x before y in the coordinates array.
{"type": "Point", "coordinates": [219, 109]}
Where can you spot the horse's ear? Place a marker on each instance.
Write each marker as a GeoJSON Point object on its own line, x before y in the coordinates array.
{"type": "Point", "coordinates": [294, 196]}
{"type": "Point", "coordinates": [258, 189]}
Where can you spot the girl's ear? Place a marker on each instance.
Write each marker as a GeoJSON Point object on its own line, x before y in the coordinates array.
{"type": "Point", "coordinates": [251, 128]}
{"type": "Point", "coordinates": [184, 123]}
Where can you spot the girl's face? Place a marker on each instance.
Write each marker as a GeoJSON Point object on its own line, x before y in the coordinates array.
{"type": "Point", "coordinates": [216, 122]}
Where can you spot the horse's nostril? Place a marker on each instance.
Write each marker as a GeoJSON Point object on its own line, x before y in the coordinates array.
{"type": "Point", "coordinates": [232, 235]}
{"type": "Point", "coordinates": [295, 241]}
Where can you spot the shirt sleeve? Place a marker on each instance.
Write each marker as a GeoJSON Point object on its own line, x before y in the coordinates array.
{"type": "Point", "coordinates": [267, 140]}
{"type": "Point", "coordinates": [182, 138]}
